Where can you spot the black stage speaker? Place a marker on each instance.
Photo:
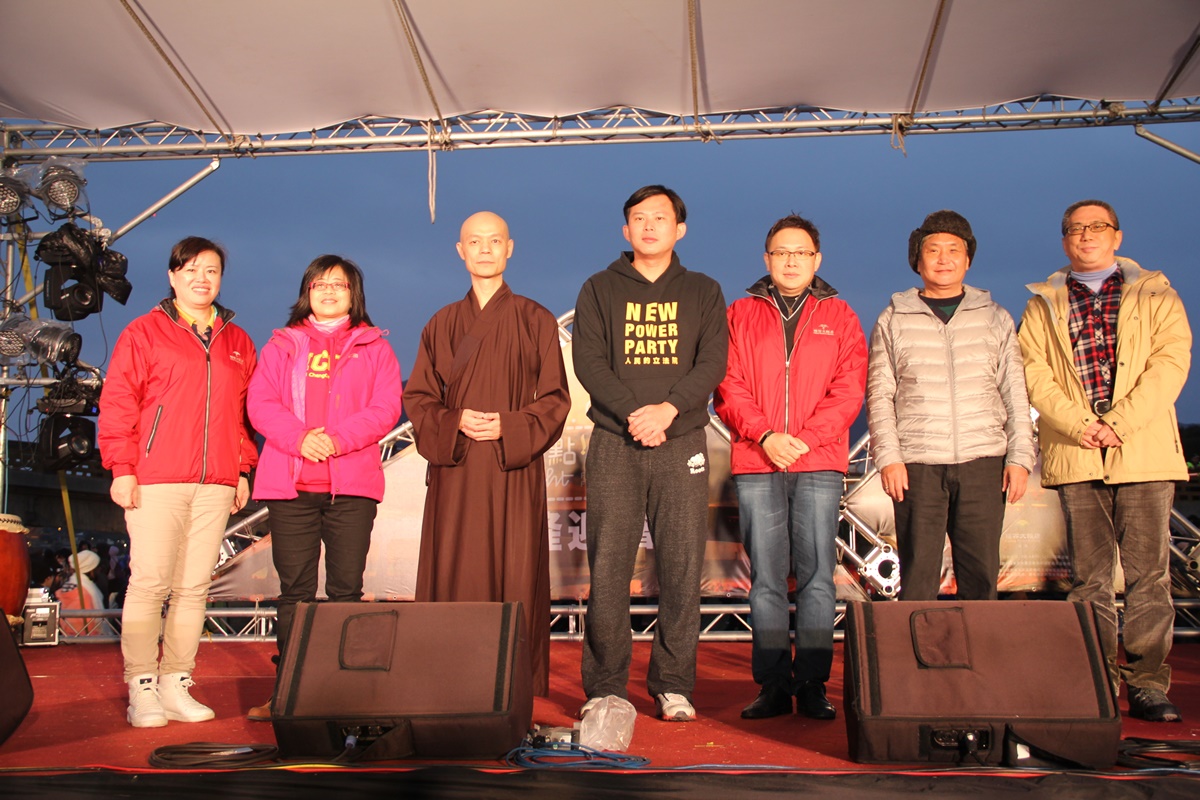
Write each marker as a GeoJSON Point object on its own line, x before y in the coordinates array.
{"type": "Point", "coordinates": [1021, 683]}
{"type": "Point", "coordinates": [17, 691]}
{"type": "Point", "coordinates": [390, 680]}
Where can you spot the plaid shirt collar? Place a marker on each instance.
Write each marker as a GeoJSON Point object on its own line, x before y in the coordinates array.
{"type": "Point", "coordinates": [1093, 329]}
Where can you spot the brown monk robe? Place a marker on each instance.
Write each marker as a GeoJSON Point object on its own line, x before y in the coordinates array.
{"type": "Point", "coordinates": [484, 536]}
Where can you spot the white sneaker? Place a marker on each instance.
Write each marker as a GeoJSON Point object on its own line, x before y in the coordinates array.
{"type": "Point", "coordinates": [145, 711]}
{"type": "Point", "coordinates": [177, 703]}
{"type": "Point", "coordinates": [675, 708]}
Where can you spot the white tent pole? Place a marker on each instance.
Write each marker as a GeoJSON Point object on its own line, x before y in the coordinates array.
{"type": "Point", "coordinates": [183, 187]}
{"type": "Point", "coordinates": [140, 218]}
{"type": "Point", "coordinates": [1161, 142]}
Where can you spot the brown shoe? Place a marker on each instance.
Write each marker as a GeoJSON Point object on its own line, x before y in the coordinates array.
{"type": "Point", "coordinates": [260, 713]}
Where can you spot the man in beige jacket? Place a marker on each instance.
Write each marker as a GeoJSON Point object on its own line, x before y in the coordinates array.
{"type": "Point", "coordinates": [1107, 347]}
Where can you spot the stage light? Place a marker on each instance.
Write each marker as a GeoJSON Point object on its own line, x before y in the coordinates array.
{"type": "Point", "coordinates": [111, 278]}
{"type": "Point", "coordinates": [64, 440]}
{"type": "Point", "coordinates": [71, 396]}
{"type": "Point", "coordinates": [24, 340]}
{"type": "Point", "coordinates": [71, 292]}
{"type": "Point", "coordinates": [81, 272]}
{"type": "Point", "coordinates": [61, 189]}
{"type": "Point", "coordinates": [14, 195]}
{"type": "Point", "coordinates": [12, 344]}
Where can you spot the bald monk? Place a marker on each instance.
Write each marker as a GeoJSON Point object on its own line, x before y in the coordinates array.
{"type": "Point", "coordinates": [487, 397]}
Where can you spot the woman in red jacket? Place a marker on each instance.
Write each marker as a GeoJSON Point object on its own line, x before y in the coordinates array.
{"type": "Point", "coordinates": [327, 390]}
{"type": "Point", "coordinates": [173, 430]}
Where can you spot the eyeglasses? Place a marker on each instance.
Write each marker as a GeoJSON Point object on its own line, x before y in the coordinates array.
{"type": "Point", "coordinates": [786, 255]}
{"type": "Point", "coordinates": [329, 286]}
{"type": "Point", "coordinates": [1094, 227]}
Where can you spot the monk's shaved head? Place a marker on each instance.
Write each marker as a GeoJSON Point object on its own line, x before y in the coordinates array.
{"type": "Point", "coordinates": [483, 222]}
{"type": "Point", "coordinates": [484, 245]}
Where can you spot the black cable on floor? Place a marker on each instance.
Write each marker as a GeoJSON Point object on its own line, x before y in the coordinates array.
{"type": "Point", "coordinates": [568, 755]}
{"type": "Point", "coordinates": [1145, 754]}
{"type": "Point", "coordinates": [213, 755]}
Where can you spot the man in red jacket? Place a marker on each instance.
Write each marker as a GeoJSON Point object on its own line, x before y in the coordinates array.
{"type": "Point", "coordinates": [794, 383]}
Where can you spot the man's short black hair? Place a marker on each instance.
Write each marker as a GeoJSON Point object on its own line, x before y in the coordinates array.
{"type": "Point", "coordinates": [653, 190]}
{"type": "Point", "coordinates": [794, 221]}
{"type": "Point", "coordinates": [1071, 209]}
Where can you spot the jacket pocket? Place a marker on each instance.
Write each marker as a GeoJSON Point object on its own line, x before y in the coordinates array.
{"type": "Point", "coordinates": [153, 429]}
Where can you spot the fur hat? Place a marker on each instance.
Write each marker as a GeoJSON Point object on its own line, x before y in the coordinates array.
{"type": "Point", "coordinates": [86, 561]}
{"type": "Point", "coordinates": [945, 221]}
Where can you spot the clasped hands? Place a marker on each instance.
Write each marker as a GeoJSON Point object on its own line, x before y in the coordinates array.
{"type": "Point", "coordinates": [783, 449]}
{"type": "Point", "coordinates": [1098, 435]}
{"type": "Point", "coordinates": [482, 426]}
{"type": "Point", "coordinates": [648, 425]}
{"type": "Point", "coordinates": [317, 445]}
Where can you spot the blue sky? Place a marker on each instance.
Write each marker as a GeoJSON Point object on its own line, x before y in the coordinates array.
{"type": "Point", "coordinates": [563, 205]}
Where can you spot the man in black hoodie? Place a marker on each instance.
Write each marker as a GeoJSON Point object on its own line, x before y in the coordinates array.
{"type": "Point", "coordinates": [649, 345]}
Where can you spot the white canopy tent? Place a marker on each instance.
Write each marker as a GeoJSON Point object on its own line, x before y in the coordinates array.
{"type": "Point", "coordinates": [113, 79]}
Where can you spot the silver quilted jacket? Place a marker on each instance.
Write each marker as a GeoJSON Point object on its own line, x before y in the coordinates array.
{"type": "Point", "coordinates": [946, 393]}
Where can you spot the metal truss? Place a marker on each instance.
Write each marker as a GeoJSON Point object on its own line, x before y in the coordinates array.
{"type": "Point", "coordinates": [33, 142]}
{"type": "Point", "coordinates": [1184, 557]}
{"type": "Point", "coordinates": [252, 527]}
{"type": "Point", "coordinates": [720, 621]}
{"type": "Point", "coordinates": [862, 552]}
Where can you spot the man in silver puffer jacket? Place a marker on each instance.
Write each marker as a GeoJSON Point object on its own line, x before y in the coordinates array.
{"type": "Point", "coordinates": [948, 415]}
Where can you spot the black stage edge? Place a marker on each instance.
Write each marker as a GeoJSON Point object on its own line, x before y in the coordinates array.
{"type": "Point", "coordinates": [539, 784]}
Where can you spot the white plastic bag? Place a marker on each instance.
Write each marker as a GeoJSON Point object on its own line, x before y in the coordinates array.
{"type": "Point", "coordinates": [608, 725]}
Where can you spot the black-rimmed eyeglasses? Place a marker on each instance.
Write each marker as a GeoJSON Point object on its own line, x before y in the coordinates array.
{"type": "Point", "coordinates": [1094, 227]}
{"type": "Point", "coordinates": [786, 255]}
{"type": "Point", "coordinates": [329, 286]}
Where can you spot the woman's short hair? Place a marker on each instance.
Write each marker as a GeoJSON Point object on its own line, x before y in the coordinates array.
{"type": "Point", "coordinates": [187, 249]}
{"type": "Point", "coordinates": [319, 266]}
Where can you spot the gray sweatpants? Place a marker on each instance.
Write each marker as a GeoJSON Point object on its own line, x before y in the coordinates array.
{"type": "Point", "coordinates": [628, 485]}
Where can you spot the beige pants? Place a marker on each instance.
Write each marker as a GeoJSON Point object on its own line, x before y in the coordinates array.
{"type": "Point", "coordinates": [175, 539]}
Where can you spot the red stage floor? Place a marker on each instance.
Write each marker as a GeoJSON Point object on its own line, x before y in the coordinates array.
{"type": "Point", "coordinates": [78, 716]}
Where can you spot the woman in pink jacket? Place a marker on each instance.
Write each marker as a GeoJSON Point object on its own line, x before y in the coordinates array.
{"type": "Point", "coordinates": [326, 390]}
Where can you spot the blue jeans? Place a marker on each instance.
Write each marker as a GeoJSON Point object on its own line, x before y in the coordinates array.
{"type": "Point", "coordinates": [789, 522]}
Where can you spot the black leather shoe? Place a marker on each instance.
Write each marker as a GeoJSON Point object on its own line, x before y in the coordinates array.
{"type": "Point", "coordinates": [812, 703]}
{"type": "Point", "coordinates": [1152, 705]}
{"type": "Point", "coordinates": [772, 701]}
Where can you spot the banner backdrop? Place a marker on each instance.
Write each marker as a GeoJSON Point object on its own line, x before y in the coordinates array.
{"type": "Point", "coordinates": [1031, 550]}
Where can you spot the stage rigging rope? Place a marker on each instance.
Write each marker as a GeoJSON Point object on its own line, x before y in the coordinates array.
{"type": "Point", "coordinates": [900, 122]}
{"type": "Point", "coordinates": [702, 128]}
{"type": "Point", "coordinates": [228, 137]}
{"type": "Point", "coordinates": [444, 133]}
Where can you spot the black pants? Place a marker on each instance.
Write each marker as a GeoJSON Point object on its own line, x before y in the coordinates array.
{"type": "Point", "coordinates": [298, 529]}
{"type": "Point", "coordinates": [965, 501]}
{"type": "Point", "coordinates": [628, 488]}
